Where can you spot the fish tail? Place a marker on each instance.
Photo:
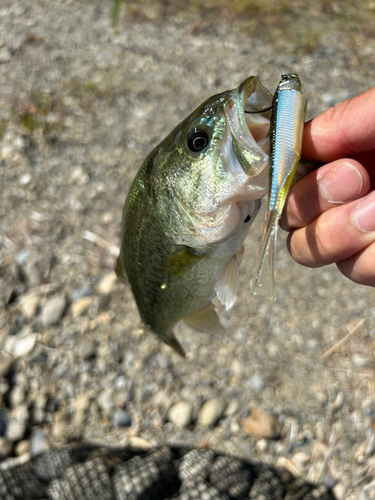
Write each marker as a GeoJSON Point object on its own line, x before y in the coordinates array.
{"type": "Point", "coordinates": [263, 283]}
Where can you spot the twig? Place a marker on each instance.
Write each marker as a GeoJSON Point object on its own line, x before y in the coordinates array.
{"type": "Point", "coordinates": [343, 341]}
{"type": "Point", "coordinates": [101, 242]}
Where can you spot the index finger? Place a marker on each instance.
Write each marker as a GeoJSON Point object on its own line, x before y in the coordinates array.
{"type": "Point", "coordinates": [345, 130]}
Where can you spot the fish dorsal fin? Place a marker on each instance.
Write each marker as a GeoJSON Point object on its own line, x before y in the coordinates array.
{"type": "Point", "coordinates": [206, 320]}
{"type": "Point", "coordinates": [227, 285]}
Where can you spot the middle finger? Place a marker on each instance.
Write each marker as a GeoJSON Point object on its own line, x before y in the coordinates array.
{"type": "Point", "coordinates": [335, 183]}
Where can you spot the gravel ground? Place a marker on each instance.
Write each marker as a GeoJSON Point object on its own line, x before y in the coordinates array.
{"type": "Point", "coordinates": [80, 107]}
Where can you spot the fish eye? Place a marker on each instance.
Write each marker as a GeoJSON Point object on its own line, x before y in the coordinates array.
{"type": "Point", "coordinates": [197, 140]}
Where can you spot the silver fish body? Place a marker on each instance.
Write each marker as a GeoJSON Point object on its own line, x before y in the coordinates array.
{"type": "Point", "coordinates": [190, 208]}
{"type": "Point", "coordinates": [286, 129]}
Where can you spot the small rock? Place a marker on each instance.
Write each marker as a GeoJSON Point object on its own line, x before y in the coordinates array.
{"type": "Point", "coordinates": [81, 406]}
{"type": "Point", "coordinates": [180, 414]}
{"type": "Point", "coordinates": [120, 382]}
{"type": "Point", "coordinates": [260, 423]}
{"type": "Point", "coordinates": [80, 306]}
{"type": "Point", "coordinates": [7, 366]}
{"type": "Point", "coordinates": [5, 55]}
{"type": "Point", "coordinates": [86, 349]}
{"type": "Point", "coordinates": [24, 179]}
{"type": "Point", "coordinates": [23, 447]}
{"type": "Point", "coordinates": [5, 448]}
{"type": "Point", "coordinates": [24, 343]}
{"type": "Point", "coordinates": [59, 422]}
{"type": "Point", "coordinates": [79, 176]}
{"type": "Point", "coordinates": [232, 408]}
{"type": "Point", "coordinates": [29, 305]}
{"type": "Point", "coordinates": [82, 402]}
{"type": "Point", "coordinates": [53, 310]}
{"type": "Point", "coordinates": [36, 270]}
{"type": "Point", "coordinates": [107, 284]}
{"type": "Point", "coordinates": [16, 396]}
{"type": "Point", "coordinates": [256, 382]}
{"type": "Point", "coordinates": [17, 424]}
{"type": "Point", "coordinates": [106, 401]}
{"type": "Point", "coordinates": [301, 460]}
{"type": "Point", "coordinates": [84, 291]}
{"type": "Point", "coordinates": [236, 367]}
{"type": "Point", "coordinates": [121, 418]}
{"type": "Point", "coordinates": [262, 445]}
{"type": "Point", "coordinates": [39, 443]}
{"type": "Point", "coordinates": [211, 412]}
{"type": "Point", "coordinates": [339, 491]}
{"type": "Point", "coordinates": [234, 427]}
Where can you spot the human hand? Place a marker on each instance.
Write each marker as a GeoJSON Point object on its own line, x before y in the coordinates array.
{"type": "Point", "coordinates": [330, 213]}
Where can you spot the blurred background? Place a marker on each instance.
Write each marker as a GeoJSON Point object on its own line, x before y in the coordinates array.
{"type": "Point", "coordinates": [87, 89]}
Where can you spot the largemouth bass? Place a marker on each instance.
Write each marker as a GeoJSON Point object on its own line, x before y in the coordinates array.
{"type": "Point", "coordinates": [190, 208]}
{"type": "Point", "coordinates": [287, 122]}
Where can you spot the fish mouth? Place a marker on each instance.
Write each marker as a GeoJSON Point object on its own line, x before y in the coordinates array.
{"type": "Point", "coordinates": [248, 112]}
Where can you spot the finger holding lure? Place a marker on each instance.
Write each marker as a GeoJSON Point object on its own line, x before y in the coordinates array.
{"type": "Point", "coordinates": [286, 128]}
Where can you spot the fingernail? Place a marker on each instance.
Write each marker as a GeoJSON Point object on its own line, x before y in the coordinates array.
{"type": "Point", "coordinates": [341, 184]}
{"type": "Point", "coordinates": [364, 214]}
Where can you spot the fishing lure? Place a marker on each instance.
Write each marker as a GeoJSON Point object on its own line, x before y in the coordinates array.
{"type": "Point", "coordinates": [286, 128]}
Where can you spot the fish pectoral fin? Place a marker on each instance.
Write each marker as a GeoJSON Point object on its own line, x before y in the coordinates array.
{"type": "Point", "coordinates": [120, 272]}
{"type": "Point", "coordinates": [227, 285]}
{"type": "Point", "coordinates": [206, 320]}
{"type": "Point", "coordinates": [179, 263]}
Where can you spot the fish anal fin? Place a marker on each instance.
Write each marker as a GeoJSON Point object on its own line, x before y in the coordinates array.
{"type": "Point", "coordinates": [206, 320]}
{"type": "Point", "coordinates": [229, 281]}
{"type": "Point", "coordinates": [169, 338]}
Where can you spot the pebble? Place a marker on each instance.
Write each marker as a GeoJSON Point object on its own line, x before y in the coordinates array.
{"type": "Point", "coordinates": [81, 406]}
{"type": "Point", "coordinates": [107, 284]}
{"type": "Point", "coordinates": [260, 423]}
{"type": "Point", "coordinates": [36, 269]}
{"type": "Point", "coordinates": [59, 422]}
{"type": "Point", "coordinates": [236, 367]}
{"type": "Point", "coordinates": [256, 382]}
{"type": "Point", "coordinates": [262, 445]}
{"type": "Point", "coordinates": [53, 310]}
{"type": "Point", "coordinates": [16, 396]}
{"type": "Point", "coordinates": [211, 412]}
{"type": "Point", "coordinates": [23, 447]}
{"type": "Point", "coordinates": [121, 418]}
{"type": "Point", "coordinates": [29, 305]}
{"type": "Point", "coordinates": [17, 425]}
{"type": "Point", "coordinates": [180, 414]}
{"type": "Point", "coordinates": [39, 443]}
{"type": "Point", "coordinates": [83, 291]}
{"type": "Point", "coordinates": [5, 448]}
{"type": "Point", "coordinates": [86, 349]}
{"type": "Point", "coordinates": [24, 345]}
{"type": "Point", "coordinates": [80, 306]}
{"type": "Point", "coordinates": [301, 460]}
{"type": "Point", "coordinates": [232, 408]}
{"type": "Point", "coordinates": [339, 491]}
{"type": "Point", "coordinates": [106, 401]}
{"type": "Point", "coordinates": [7, 366]}
{"type": "Point", "coordinates": [5, 55]}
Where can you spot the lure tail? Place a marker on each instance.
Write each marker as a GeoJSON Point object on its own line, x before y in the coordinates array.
{"type": "Point", "coordinates": [263, 283]}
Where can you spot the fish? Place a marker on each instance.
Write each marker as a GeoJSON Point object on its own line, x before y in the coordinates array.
{"type": "Point", "coordinates": [286, 129]}
{"type": "Point", "coordinates": [190, 208]}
